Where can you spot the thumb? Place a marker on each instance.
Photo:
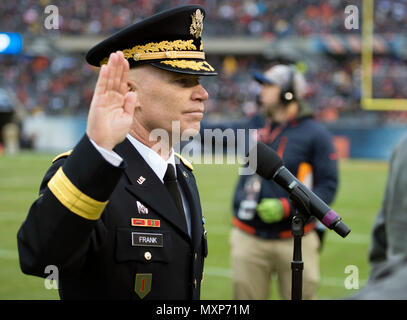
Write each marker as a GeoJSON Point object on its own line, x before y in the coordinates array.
{"type": "Point", "coordinates": [130, 102]}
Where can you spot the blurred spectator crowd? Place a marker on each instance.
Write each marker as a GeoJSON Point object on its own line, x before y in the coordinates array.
{"type": "Point", "coordinates": [224, 17]}
{"type": "Point", "coordinates": [64, 84]}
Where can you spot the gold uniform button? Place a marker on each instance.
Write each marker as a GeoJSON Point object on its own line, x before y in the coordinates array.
{"type": "Point", "coordinates": [147, 255]}
{"type": "Point", "coordinates": [196, 256]}
{"type": "Point", "coordinates": [195, 283]}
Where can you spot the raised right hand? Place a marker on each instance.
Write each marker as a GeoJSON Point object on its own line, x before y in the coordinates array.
{"type": "Point", "coordinates": [112, 108]}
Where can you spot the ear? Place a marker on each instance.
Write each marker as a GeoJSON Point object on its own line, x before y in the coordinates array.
{"type": "Point", "coordinates": [130, 102]}
{"type": "Point", "coordinates": [133, 93]}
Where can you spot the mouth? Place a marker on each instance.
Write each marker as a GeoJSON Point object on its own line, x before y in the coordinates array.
{"type": "Point", "coordinates": [195, 112]}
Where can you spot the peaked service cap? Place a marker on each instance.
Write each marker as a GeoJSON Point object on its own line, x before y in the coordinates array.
{"type": "Point", "coordinates": [169, 40]}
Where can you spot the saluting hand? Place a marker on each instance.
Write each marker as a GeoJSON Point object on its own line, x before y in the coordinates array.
{"type": "Point", "coordinates": [112, 108]}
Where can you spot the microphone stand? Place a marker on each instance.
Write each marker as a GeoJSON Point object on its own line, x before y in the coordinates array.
{"type": "Point", "coordinates": [301, 202]}
{"type": "Point", "coordinates": [297, 265]}
{"type": "Point", "coordinates": [302, 214]}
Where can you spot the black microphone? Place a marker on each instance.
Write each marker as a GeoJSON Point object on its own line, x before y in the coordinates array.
{"type": "Point", "coordinates": [268, 164]}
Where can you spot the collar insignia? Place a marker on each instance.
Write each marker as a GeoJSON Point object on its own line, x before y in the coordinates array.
{"type": "Point", "coordinates": [141, 179]}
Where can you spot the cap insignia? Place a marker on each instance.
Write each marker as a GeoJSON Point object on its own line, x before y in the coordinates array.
{"type": "Point", "coordinates": [197, 24]}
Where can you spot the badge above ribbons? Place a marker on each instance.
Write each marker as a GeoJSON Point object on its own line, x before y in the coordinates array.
{"type": "Point", "coordinates": [141, 208]}
{"type": "Point", "coordinates": [142, 284]}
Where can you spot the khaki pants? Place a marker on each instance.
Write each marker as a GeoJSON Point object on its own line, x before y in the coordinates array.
{"type": "Point", "coordinates": [254, 260]}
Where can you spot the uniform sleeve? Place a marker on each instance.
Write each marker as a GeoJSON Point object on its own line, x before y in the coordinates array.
{"type": "Point", "coordinates": [325, 167]}
{"type": "Point", "coordinates": [110, 156]}
{"type": "Point", "coordinates": [395, 204]}
{"type": "Point", "coordinates": [378, 244]}
{"type": "Point", "coordinates": [64, 222]}
{"type": "Point", "coordinates": [389, 230]}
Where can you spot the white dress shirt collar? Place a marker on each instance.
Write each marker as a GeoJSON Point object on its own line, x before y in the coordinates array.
{"type": "Point", "coordinates": [153, 159]}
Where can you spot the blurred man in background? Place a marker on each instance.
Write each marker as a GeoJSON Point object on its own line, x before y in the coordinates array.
{"type": "Point", "coordinates": [261, 240]}
{"type": "Point", "coordinates": [9, 131]}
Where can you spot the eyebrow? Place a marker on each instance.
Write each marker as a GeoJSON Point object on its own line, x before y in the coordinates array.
{"type": "Point", "coordinates": [185, 76]}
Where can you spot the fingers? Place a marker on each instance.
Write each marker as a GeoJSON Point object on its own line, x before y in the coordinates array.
{"type": "Point", "coordinates": [125, 76]}
{"type": "Point", "coordinates": [130, 102]}
{"type": "Point", "coordinates": [111, 66]}
{"type": "Point", "coordinates": [116, 74]}
{"type": "Point", "coordinates": [113, 76]}
{"type": "Point", "coordinates": [101, 84]}
{"type": "Point", "coordinates": [118, 71]}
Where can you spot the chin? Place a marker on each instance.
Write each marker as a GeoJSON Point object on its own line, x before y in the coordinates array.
{"type": "Point", "coordinates": [189, 132]}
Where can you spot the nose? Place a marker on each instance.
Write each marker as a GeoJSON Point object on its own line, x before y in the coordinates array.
{"type": "Point", "coordinates": [200, 93]}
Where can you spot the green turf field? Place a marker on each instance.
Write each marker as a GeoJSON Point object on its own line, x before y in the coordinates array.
{"type": "Point", "coordinates": [358, 200]}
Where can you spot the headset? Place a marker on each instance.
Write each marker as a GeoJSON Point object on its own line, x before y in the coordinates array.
{"type": "Point", "coordinates": [287, 94]}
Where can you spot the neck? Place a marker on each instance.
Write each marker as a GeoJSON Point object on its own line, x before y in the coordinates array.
{"type": "Point", "coordinates": [160, 146]}
{"type": "Point", "coordinates": [285, 113]}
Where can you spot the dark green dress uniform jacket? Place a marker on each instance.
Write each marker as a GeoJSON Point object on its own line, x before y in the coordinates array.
{"type": "Point", "coordinates": [81, 223]}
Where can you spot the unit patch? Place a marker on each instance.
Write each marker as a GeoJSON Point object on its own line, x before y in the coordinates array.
{"type": "Point", "coordinates": [140, 239]}
{"type": "Point", "coordinates": [142, 285]}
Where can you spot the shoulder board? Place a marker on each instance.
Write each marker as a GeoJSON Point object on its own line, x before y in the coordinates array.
{"type": "Point", "coordinates": [184, 161]}
{"type": "Point", "coordinates": [65, 154]}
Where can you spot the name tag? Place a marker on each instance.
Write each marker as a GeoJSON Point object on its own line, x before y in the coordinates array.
{"type": "Point", "coordinates": [139, 239]}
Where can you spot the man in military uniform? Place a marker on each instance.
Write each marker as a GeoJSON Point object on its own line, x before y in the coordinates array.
{"type": "Point", "coordinates": [120, 216]}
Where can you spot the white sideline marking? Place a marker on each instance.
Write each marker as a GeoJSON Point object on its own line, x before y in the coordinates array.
{"type": "Point", "coordinates": [325, 281]}
{"type": "Point", "coordinates": [354, 238]}
{"type": "Point", "coordinates": [211, 271]}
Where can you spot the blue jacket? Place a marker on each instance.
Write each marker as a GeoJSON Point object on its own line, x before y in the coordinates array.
{"type": "Point", "coordinates": [307, 150]}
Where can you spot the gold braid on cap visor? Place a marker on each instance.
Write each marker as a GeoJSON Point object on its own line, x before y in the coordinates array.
{"type": "Point", "coordinates": [189, 64]}
{"type": "Point", "coordinates": [162, 50]}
